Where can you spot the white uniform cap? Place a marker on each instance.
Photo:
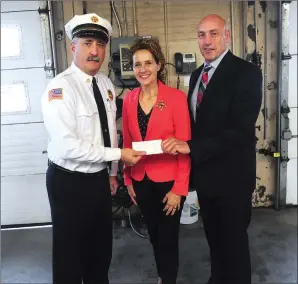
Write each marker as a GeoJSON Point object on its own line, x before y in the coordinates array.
{"type": "Point", "coordinates": [89, 25]}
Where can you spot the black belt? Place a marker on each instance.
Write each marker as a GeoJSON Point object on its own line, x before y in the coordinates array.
{"type": "Point", "coordinates": [51, 164]}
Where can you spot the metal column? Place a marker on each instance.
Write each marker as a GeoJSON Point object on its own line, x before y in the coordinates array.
{"type": "Point", "coordinates": [283, 133]}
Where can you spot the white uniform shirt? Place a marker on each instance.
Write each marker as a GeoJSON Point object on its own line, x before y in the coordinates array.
{"type": "Point", "coordinates": [72, 121]}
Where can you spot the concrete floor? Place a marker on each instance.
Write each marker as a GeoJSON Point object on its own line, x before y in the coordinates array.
{"type": "Point", "coordinates": [26, 254]}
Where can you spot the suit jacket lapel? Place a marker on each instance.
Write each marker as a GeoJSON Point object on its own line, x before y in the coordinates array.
{"type": "Point", "coordinates": [219, 74]}
{"type": "Point", "coordinates": [193, 82]}
{"type": "Point", "coordinates": [217, 81]}
{"type": "Point", "coordinates": [192, 85]}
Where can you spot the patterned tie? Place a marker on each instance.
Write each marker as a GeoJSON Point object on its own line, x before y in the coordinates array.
{"type": "Point", "coordinates": [203, 84]}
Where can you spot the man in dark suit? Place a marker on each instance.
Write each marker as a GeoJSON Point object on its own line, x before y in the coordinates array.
{"type": "Point", "coordinates": [225, 96]}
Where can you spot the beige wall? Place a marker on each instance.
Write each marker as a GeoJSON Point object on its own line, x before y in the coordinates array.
{"type": "Point", "coordinates": [180, 32]}
{"type": "Point", "coordinates": [183, 17]}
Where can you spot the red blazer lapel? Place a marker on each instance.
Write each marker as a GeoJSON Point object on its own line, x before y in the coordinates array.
{"type": "Point", "coordinates": [134, 113]}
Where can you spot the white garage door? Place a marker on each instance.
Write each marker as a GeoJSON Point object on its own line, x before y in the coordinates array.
{"type": "Point", "coordinates": [292, 164]}
{"type": "Point", "coordinates": [23, 137]}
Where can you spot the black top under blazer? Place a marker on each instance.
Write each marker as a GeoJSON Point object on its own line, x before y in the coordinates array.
{"type": "Point", "coordinates": [223, 136]}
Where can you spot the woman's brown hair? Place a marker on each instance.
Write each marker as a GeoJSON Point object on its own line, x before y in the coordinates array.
{"type": "Point", "coordinates": [152, 45]}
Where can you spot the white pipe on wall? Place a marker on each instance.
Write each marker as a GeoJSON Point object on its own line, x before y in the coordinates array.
{"type": "Point", "coordinates": [124, 17]}
{"type": "Point", "coordinates": [166, 28]}
{"type": "Point", "coordinates": [134, 18]}
{"type": "Point", "coordinates": [165, 10]}
{"type": "Point", "coordinates": [117, 19]}
{"type": "Point", "coordinates": [232, 25]}
{"type": "Point", "coordinates": [52, 37]}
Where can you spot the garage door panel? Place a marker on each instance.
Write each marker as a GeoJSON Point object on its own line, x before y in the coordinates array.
{"type": "Point", "coordinates": [20, 166]}
{"type": "Point", "coordinates": [34, 207]}
{"type": "Point", "coordinates": [25, 38]}
{"type": "Point", "coordinates": [293, 120]}
{"type": "Point", "coordinates": [292, 148]}
{"type": "Point", "coordinates": [31, 49]}
{"type": "Point", "coordinates": [292, 182]}
{"type": "Point", "coordinates": [293, 78]}
{"type": "Point", "coordinates": [34, 81]}
{"type": "Point", "coordinates": [11, 6]}
{"type": "Point", "coordinates": [292, 145]}
{"type": "Point", "coordinates": [22, 147]}
{"type": "Point", "coordinates": [293, 29]}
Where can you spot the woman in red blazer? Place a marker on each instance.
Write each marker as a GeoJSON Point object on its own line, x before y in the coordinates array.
{"type": "Point", "coordinates": [158, 183]}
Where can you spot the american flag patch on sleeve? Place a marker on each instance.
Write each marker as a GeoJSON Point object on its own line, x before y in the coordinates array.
{"type": "Point", "coordinates": [55, 94]}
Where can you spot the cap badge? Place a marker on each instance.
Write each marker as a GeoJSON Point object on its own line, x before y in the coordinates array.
{"type": "Point", "coordinates": [94, 19]}
{"type": "Point", "coordinates": [110, 94]}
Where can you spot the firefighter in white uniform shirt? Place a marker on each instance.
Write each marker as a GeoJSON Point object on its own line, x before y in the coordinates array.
{"type": "Point", "coordinates": [79, 115]}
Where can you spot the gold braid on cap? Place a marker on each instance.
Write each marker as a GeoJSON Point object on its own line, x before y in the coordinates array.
{"type": "Point", "coordinates": [153, 46]}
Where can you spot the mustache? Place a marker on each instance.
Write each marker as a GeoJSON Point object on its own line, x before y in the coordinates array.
{"type": "Point", "coordinates": [93, 58]}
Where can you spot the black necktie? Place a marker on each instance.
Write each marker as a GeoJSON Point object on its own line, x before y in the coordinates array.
{"type": "Point", "coordinates": [102, 115]}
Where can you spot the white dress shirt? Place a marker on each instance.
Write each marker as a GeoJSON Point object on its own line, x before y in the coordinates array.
{"type": "Point", "coordinates": [73, 125]}
{"type": "Point", "coordinates": [214, 65]}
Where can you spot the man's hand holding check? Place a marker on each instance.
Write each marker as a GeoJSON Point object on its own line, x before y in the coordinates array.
{"type": "Point", "coordinates": [131, 157]}
{"type": "Point", "coordinates": [174, 146]}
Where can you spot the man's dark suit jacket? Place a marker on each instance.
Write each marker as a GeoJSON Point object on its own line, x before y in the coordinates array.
{"type": "Point", "coordinates": [223, 136]}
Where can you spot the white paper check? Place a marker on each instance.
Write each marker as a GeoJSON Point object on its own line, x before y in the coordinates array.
{"type": "Point", "coordinates": [151, 147]}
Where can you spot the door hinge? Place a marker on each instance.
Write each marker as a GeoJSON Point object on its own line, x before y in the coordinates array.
{"type": "Point", "coordinates": [59, 35]}
{"type": "Point", "coordinates": [287, 134]}
{"type": "Point", "coordinates": [285, 110]}
{"type": "Point", "coordinates": [284, 159]}
{"type": "Point", "coordinates": [286, 56]}
{"type": "Point", "coordinates": [43, 10]}
{"type": "Point", "coordinates": [49, 68]}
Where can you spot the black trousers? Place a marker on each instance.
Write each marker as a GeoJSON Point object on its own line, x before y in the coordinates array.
{"type": "Point", "coordinates": [81, 209]}
{"type": "Point", "coordinates": [226, 219]}
{"type": "Point", "coordinates": [163, 230]}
